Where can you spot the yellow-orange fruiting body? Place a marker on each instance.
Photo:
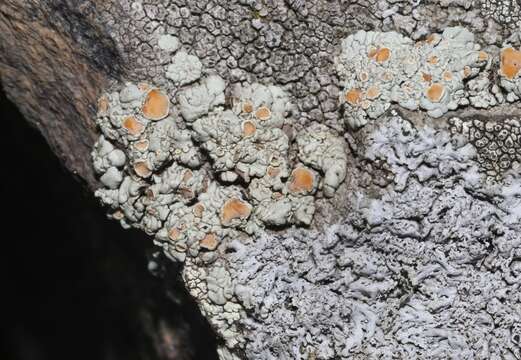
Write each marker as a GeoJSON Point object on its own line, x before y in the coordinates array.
{"type": "Point", "coordinates": [510, 63]}
{"type": "Point", "coordinates": [302, 180]}
{"type": "Point", "coordinates": [234, 209]}
{"type": "Point", "coordinates": [156, 105]}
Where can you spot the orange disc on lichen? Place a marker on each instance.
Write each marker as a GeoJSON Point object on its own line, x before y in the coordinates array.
{"type": "Point", "coordinates": [431, 38]}
{"type": "Point", "coordinates": [435, 92]}
{"type": "Point", "coordinates": [365, 104]}
{"type": "Point", "coordinates": [353, 96]}
{"type": "Point", "coordinates": [467, 71]}
{"type": "Point", "coordinates": [247, 106]}
{"type": "Point", "coordinates": [206, 182]}
{"type": "Point", "coordinates": [209, 242]}
{"type": "Point", "coordinates": [387, 76]}
{"type": "Point", "coordinates": [141, 145]}
{"type": "Point", "coordinates": [156, 105]}
{"type": "Point", "coordinates": [302, 180]}
{"type": "Point", "coordinates": [363, 76]}
{"type": "Point", "coordinates": [482, 56]}
{"type": "Point", "coordinates": [186, 192]}
{"type": "Point", "coordinates": [248, 128]}
{"type": "Point", "coordinates": [132, 125]}
{"type": "Point", "coordinates": [433, 60]}
{"type": "Point", "coordinates": [235, 209]}
{"type": "Point", "coordinates": [263, 113]}
{"type": "Point", "coordinates": [118, 214]}
{"type": "Point", "coordinates": [382, 55]}
{"type": "Point", "coordinates": [273, 171]}
{"type": "Point", "coordinates": [174, 234]}
{"type": "Point", "coordinates": [373, 92]}
{"type": "Point", "coordinates": [447, 76]}
{"type": "Point", "coordinates": [510, 63]}
{"type": "Point", "coordinates": [277, 195]}
{"type": "Point", "coordinates": [103, 104]}
{"type": "Point", "coordinates": [141, 168]}
{"type": "Point", "coordinates": [187, 175]}
{"type": "Point", "coordinates": [198, 210]}
{"type": "Point", "coordinates": [150, 194]}
{"type": "Point", "coordinates": [426, 77]}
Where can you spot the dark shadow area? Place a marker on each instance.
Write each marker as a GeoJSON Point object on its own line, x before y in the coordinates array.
{"type": "Point", "coordinates": [75, 285]}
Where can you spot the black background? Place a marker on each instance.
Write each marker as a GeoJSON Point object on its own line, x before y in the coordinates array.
{"type": "Point", "coordinates": [72, 283]}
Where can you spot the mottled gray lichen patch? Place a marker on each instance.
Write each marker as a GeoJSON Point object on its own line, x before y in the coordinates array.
{"type": "Point", "coordinates": [505, 12]}
{"type": "Point", "coordinates": [206, 172]}
{"type": "Point", "coordinates": [377, 69]}
{"type": "Point", "coordinates": [184, 68]}
{"type": "Point", "coordinates": [497, 143]}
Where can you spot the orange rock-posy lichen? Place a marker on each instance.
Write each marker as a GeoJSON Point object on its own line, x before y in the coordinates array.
{"type": "Point", "coordinates": [209, 242]}
{"type": "Point", "coordinates": [156, 105]}
{"type": "Point", "coordinates": [426, 77]}
{"type": "Point", "coordinates": [302, 180]}
{"type": "Point", "coordinates": [373, 92]}
{"type": "Point", "coordinates": [353, 96]}
{"type": "Point", "coordinates": [381, 55]}
{"type": "Point", "coordinates": [510, 63]}
{"type": "Point", "coordinates": [435, 92]}
{"type": "Point", "coordinates": [141, 145]}
{"type": "Point", "coordinates": [141, 168]}
{"type": "Point", "coordinates": [273, 171]}
{"type": "Point", "coordinates": [132, 125]}
{"type": "Point", "coordinates": [174, 234]}
{"type": "Point", "coordinates": [198, 210]}
{"type": "Point", "coordinates": [234, 209]}
{"type": "Point", "coordinates": [248, 128]}
{"type": "Point", "coordinates": [447, 76]}
{"type": "Point", "coordinates": [433, 60]}
{"type": "Point", "coordinates": [263, 113]}
{"type": "Point", "coordinates": [103, 105]}
{"type": "Point", "coordinates": [247, 107]}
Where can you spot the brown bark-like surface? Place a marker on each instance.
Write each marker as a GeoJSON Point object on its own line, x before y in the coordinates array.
{"type": "Point", "coordinates": [54, 58]}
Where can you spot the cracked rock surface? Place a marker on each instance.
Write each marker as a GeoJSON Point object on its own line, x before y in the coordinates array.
{"type": "Point", "coordinates": [338, 180]}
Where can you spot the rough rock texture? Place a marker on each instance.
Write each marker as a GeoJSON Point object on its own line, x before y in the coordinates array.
{"type": "Point", "coordinates": [320, 213]}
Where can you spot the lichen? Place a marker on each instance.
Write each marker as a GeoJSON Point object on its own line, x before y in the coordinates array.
{"type": "Point", "coordinates": [204, 172]}
{"type": "Point", "coordinates": [378, 69]}
{"type": "Point", "coordinates": [241, 179]}
{"type": "Point", "coordinates": [510, 73]}
{"type": "Point", "coordinates": [505, 12]}
{"type": "Point", "coordinates": [497, 143]}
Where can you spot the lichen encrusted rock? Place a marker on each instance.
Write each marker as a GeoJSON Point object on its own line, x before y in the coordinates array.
{"type": "Point", "coordinates": [201, 175]}
{"type": "Point", "coordinates": [449, 247]}
{"type": "Point", "coordinates": [403, 274]}
{"type": "Point", "coordinates": [378, 69]}
{"type": "Point", "coordinates": [228, 184]}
